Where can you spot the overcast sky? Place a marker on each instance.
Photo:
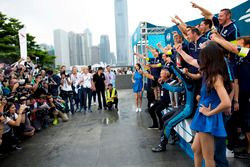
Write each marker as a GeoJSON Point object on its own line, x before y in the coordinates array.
{"type": "Point", "coordinates": [41, 17]}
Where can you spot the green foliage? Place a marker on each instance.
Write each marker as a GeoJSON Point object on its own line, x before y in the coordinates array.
{"type": "Point", "coordinates": [9, 43]}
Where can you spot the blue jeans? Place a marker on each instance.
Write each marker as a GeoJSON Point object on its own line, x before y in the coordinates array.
{"type": "Point", "coordinates": [220, 148]}
{"type": "Point", "coordinates": [220, 152]}
{"type": "Point", "coordinates": [81, 97]}
{"type": "Point", "coordinates": [87, 93]}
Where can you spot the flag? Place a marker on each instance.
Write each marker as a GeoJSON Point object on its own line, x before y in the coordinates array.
{"type": "Point", "coordinates": [23, 42]}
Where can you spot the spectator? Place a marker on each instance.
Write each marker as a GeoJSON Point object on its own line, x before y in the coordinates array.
{"type": "Point", "coordinates": [75, 77]}
{"type": "Point", "coordinates": [67, 92]}
{"type": "Point", "coordinates": [99, 80]}
{"type": "Point", "coordinates": [109, 77]}
{"type": "Point", "coordinates": [87, 86]}
{"type": "Point", "coordinates": [129, 71]}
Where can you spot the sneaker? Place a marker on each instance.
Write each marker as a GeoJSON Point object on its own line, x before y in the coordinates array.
{"type": "Point", "coordinates": [89, 110]}
{"type": "Point", "coordinates": [159, 148]}
{"type": "Point", "coordinates": [99, 108]}
{"type": "Point", "coordinates": [229, 153]}
{"type": "Point", "coordinates": [18, 147]}
{"type": "Point", "coordinates": [153, 127]}
{"type": "Point", "coordinates": [55, 122]}
{"type": "Point", "coordinates": [137, 109]}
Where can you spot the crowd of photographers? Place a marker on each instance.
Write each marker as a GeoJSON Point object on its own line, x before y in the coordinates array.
{"type": "Point", "coordinates": [29, 102]}
{"type": "Point", "coordinates": [32, 98]}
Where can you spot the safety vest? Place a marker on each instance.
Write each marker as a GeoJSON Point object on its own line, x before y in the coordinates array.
{"type": "Point", "coordinates": [108, 97]}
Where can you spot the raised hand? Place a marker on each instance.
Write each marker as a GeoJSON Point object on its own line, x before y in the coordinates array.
{"type": "Point", "coordinates": [174, 20]}
{"type": "Point", "coordinates": [194, 5]}
{"type": "Point", "coordinates": [178, 47]}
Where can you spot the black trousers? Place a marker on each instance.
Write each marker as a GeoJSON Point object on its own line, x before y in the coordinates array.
{"type": "Point", "coordinates": [110, 104]}
{"type": "Point", "coordinates": [103, 100]}
{"type": "Point", "coordinates": [156, 109]}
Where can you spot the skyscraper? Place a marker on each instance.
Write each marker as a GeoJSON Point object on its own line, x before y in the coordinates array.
{"type": "Point", "coordinates": [75, 49]}
{"type": "Point", "coordinates": [113, 59]}
{"type": "Point", "coordinates": [122, 35]}
{"type": "Point", "coordinates": [95, 52]}
{"type": "Point", "coordinates": [61, 44]}
{"type": "Point", "coordinates": [105, 49]}
{"type": "Point", "coordinates": [87, 41]}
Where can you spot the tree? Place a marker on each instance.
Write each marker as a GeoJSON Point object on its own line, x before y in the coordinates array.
{"type": "Point", "coordinates": [9, 43]}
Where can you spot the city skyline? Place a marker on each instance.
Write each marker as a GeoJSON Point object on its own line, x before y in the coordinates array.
{"type": "Point", "coordinates": [77, 48]}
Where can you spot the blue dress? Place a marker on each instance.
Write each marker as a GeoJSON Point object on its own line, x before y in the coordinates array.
{"type": "Point", "coordinates": [137, 87]}
{"type": "Point", "coordinates": [214, 124]}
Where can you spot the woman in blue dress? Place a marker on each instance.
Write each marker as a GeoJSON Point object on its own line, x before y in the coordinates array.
{"type": "Point", "coordinates": [208, 120]}
{"type": "Point", "coordinates": [137, 79]}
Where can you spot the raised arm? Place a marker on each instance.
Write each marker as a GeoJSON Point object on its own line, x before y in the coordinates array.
{"type": "Point", "coordinates": [189, 59]}
{"type": "Point", "coordinates": [243, 52]}
{"type": "Point", "coordinates": [180, 20]}
{"type": "Point", "coordinates": [181, 27]}
{"type": "Point", "coordinates": [140, 56]}
{"type": "Point", "coordinates": [204, 12]}
{"type": "Point", "coordinates": [147, 75]}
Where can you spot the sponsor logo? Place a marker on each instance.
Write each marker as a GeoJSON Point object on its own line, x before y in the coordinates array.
{"type": "Point", "coordinates": [168, 37]}
{"type": "Point", "coordinates": [246, 17]}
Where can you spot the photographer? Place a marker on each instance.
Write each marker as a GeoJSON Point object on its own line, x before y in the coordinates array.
{"type": "Point", "coordinates": [54, 83]}
{"type": "Point", "coordinates": [25, 128]}
{"type": "Point", "coordinates": [37, 86]}
{"type": "Point", "coordinates": [67, 92]}
{"type": "Point", "coordinates": [53, 110]}
{"type": "Point", "coordinates": [12, 119]}
{"type": "Point", "coordinates": [3, 102]}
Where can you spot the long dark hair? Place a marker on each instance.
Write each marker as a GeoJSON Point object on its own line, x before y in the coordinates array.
{"type": "Point", "coordinates": [139, 65]}
{"type": "Point", "coordinates": [212, 64]}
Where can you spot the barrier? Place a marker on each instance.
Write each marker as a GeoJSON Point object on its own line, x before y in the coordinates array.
{"type": "Point", "coordinates": [123, 82]}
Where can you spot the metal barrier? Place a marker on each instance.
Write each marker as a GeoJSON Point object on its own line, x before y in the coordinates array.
{"type": "Point", "coordinates": [123, 82]}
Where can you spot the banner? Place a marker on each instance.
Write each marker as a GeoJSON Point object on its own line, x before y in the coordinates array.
{"type": "Point", "coordinates": [23, 43]}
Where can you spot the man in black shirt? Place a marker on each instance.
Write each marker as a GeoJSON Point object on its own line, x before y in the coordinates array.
{"type": "Point", "coordinates": [54, 82]}
{"type": "Point", "coordinates": [99, 80]}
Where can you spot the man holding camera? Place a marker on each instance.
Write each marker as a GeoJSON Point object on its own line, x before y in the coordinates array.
{"type": "Point", "coordinates": [67, 92]}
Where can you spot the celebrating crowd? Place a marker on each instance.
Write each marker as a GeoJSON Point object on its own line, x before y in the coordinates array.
{"type": "Point", "coordinates": [205, 70]}
{"type": "Point", "coordinates": [32, 98]}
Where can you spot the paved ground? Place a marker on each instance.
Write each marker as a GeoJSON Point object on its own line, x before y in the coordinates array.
{"type": "Point", "coordinates": [100, 139]}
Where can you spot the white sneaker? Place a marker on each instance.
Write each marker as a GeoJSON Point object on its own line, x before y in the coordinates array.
{"type": "Point", "coordinates": [137, 109]}
{"type": "Point", "coordinates": [229, 153]}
